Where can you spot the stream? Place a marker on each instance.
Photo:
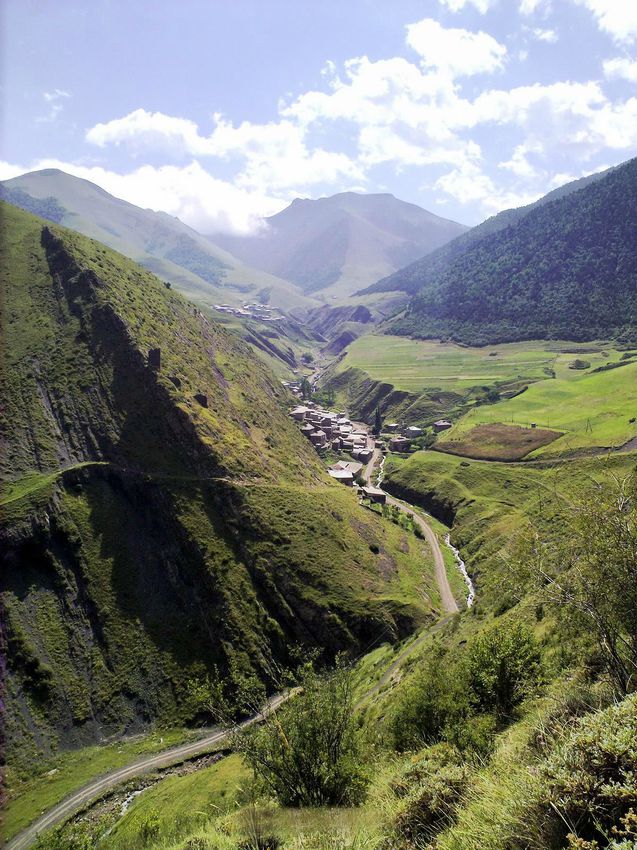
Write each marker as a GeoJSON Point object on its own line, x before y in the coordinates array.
{"type": "Point", "coordinates": [381, 471]}
{"type": "Point", "coordinates": [463, 569]}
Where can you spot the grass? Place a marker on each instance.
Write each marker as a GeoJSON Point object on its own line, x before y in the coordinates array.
{"type": "Point", "coordinates": [490, 503]}
{"type": "Point", "coordinates": [210, 805]}
{"type": "Point", "coordinates": [592, 409]}
{"type": "Point", "coordinates": [179, 805]}
{"type": "Point", "coordinates": [64, 773]}
{"type": "Point", "coordinates": [418, 365]}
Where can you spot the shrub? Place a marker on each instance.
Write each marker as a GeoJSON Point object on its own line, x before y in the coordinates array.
{"type": "Point", "coordinates": [430, 791]}
{"type": "Point", "coordinates": [502, 667]}
{"type": "Point", "coordinates": [590, 781]}
{"type": "Point", "coordinates": [309, 753]}
{"type": "Point", "coordinates": [426, 706]}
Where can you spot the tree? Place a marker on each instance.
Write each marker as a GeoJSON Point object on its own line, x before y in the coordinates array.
{"type": "Point", "coordinates": [590, 574]}
{"type": "Point", "coordinates": [306, 389]}
{"type": "Point", "coordinates": [502, 666]}
{"type": "Point", "coordinates": [307, 357]}
{"type": "Point", "coordinates": [309, 752]}
{"type": "Point", "coordinates": [378, 422]}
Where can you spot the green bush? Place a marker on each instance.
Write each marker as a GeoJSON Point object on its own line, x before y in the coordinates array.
{"type": "Point", "coordinates": [430, 792]}
{"type": "Point", "coordinates": [502, 667]}
{"type": "Point", "coordinates": [310, 753]}
{"type": "Point", "coordinates": [590, 780]}
{"type": "Point", "coordinates": [426, 706]}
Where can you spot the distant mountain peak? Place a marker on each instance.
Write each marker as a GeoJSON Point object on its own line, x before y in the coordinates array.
{"type": "Point", "coordinates": [160, 242]}
{"type": "Point", "coordinates": [335, 245]}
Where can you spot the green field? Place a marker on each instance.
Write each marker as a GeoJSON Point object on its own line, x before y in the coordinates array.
{"type": "Point", "coordinates": [590, 409]}
{"type": "Point", "coordinates": [416, 365]}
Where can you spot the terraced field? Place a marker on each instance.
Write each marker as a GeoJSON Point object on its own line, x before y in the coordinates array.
{"type": "Point", "coordinates": [592, 410]}
{"type": "Point", "coordinates": [416, 365]}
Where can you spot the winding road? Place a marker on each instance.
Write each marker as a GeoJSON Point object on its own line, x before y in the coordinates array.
{"type": "Point", "coordinates": [102, 784]}
{"type": "Point", "coordinates": [99, 786]}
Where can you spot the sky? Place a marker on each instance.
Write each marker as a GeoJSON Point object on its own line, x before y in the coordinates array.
{"type": "Point", "coordinates": [223, 111]}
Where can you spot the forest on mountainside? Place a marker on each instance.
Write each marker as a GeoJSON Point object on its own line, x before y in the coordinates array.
{"type": "Point", "coordinates": [566, 270]}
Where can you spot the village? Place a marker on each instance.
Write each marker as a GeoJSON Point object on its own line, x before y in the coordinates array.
{"type": "Point", "coordinates": [261, 312]}
{"type": "Point", "coordinates": [333, 432]}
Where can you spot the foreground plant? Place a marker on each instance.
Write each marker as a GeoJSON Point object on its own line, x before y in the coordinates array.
{"type": "Point", "coordinates": [310, 753]}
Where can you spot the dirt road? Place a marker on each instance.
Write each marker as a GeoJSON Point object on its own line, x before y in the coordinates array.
{"type": "Point", "coordinates": [99, 786]}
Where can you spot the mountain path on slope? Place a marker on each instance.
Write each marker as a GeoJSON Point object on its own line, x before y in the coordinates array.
{"type": "Point", "coordinates": [99, 786]}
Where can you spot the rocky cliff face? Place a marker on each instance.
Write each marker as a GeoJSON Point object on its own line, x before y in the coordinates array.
{"type": "Point", "coordinates": [165, 525]}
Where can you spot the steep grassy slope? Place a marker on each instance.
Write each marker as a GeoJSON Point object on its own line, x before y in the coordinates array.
{"type": "Point", "coordinates": [163, 524]}
{"type": "Point", "coordinates": [334, 246]}
{"type": "Point", "coordinates": [159, 242]}
{"type": "Point", "coordinates": [566, 270]}
{"type": "Point", "coordinates": [488, 504]}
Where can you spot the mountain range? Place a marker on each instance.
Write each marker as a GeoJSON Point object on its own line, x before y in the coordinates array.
{"type": "Point", "coordinates": [334, 246]}
{"type": "Point", "coordinates": [312, 251]}
{"type": "Point", "coordinates": [564, 267]}
{"type": "Point", "coordinates": [161, 243]}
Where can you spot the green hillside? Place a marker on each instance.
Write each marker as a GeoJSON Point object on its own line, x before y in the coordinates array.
{"type": "Point", "coordinates": [161, 243]}
{"type": "Point", "coordinates": [165, 525]}
{"type": "Point", "coordinates": [566, 270]}
{"type": "Point", "coordinates": [427, 269]}
{"type": "Point", "coordinates": [586, 410]}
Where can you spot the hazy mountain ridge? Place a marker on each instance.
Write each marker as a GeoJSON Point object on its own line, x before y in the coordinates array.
{"type": "Point", "coordinates": [333, 246]}
{"type": "Point", "coordinates": [160, 242]}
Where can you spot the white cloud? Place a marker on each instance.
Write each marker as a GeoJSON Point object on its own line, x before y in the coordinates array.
{"type": "Point", "coordinates": [55, 100]}
{"type": "Point", "coordinates": [529, 7]}
{"type": "Point", "coordinates": [547, 35]}
{"type": "Point", "coordinates": [469, 184]}
{"type": "Point", "coordinates": [457, 52]}
{"type": "Point", "coordinates": [274, 154]}
{"type": "Point", "coordinates": [149, 130]}
{"type": "Point", "coordinates": [618, 18]}
{"type": "Point", "coordinates": [188, 192]}
{"type": "Point", "coordinates": [519, 163]}
{"type": "Point", "coordinates": [56, 94]}
{"type": "Point", "coordinates": [546, 103]}
{"type": "Point", "coordinates": [620, 68]}
{"type": "Point", "coordinates": [482, 6]}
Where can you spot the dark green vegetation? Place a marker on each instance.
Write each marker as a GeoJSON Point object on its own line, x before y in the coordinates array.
{"type": "Point", "coordinates": [310, 753]}
{"type": "Point", "coordinates": [412, 277]}
{"type": "Point", "coordinates": [463, 699]}
{"type": "Point", "coordinates": [564, 270]}
{"type": "Point", "coordinates": [336, 245]}
{"type": "Point", "coordinates": [161, 243]}
{"type": "Point", "coordinates": [165, 526]}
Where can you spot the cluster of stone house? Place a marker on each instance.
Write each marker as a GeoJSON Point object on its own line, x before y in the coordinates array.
{"type": "Point", "coordinates": [251, 311]}
{"type": "Point", "coordinates": [326, 429]}
{"type": "Point", "coordinates": [400, 437]}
